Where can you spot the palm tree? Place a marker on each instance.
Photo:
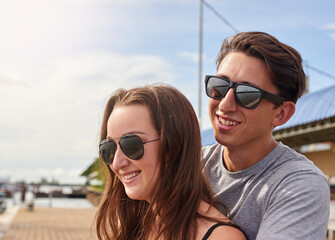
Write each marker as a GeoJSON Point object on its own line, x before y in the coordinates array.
{"type": "Point", "coordinates": [96, 175]}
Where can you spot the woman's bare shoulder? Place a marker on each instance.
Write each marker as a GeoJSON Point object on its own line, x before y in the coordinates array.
{"type": "Point", "coordinates": [223, 232]}
{"type": "Point", "coordinates": [226, 232]}
{"type": "Point", "coordinates": [210, 211]}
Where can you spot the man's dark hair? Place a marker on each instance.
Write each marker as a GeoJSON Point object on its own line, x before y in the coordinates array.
{"type": "Point", "coordinates": [283, 62]}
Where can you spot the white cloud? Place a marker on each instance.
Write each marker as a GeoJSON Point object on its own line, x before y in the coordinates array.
{"type": "Point", "coordinates": [12, 81]}
{"type": "Point", "coordinates": [330, 26]}
{"type": "Point", "coordinates": [194, 57]}
{"type": "Point", "coordinates": [54, 123]}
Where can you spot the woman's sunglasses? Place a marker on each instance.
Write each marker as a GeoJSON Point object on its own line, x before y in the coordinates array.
{"type": "Point", "coordinates": [246, 95]}
{"type": "Point", "coordinates": [130, 144]}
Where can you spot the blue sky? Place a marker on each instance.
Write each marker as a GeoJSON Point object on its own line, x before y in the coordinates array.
{"type": "Point", "coordinates": [60, 60]}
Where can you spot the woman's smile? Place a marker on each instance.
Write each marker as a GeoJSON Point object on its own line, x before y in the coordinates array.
{"type": "Point", "coordinates": [138, 176]}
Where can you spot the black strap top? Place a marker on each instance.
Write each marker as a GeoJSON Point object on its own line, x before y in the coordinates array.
{"type": "Point", "coordinates": [209, 232]}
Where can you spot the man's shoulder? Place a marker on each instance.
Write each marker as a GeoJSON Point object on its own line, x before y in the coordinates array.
{"type": "Point", "coordinates": [211, 152]}
{"type": "Point", "coordinates": [290, 169]}
{"type": "Point", "coordinates": [288, 158]}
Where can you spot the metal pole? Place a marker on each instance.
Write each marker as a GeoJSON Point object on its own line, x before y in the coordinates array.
{"type": "Point", "coordinates": [200, 61]}
{"type": "Point", "coordinates": [307, 76]}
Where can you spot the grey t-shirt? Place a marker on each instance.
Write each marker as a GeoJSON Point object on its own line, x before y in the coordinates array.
{"type": "Point", "coordinates": [284, 196]}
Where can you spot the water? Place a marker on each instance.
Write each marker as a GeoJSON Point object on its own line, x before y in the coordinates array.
{"type": "Point", "coordinates": [48, 202]}
{"type": "Point", "coordinates": [81, 203]}
{"type": "Point", "coordinates": [63, 202]}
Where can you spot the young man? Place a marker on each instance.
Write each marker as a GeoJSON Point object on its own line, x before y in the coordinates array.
{"type": "Point", "coordinates": [272, 191]}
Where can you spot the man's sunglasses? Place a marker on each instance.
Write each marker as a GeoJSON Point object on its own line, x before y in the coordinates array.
{"type": "Point", "coordinates": [246, 95]}
{"type": "Point", "coordinates": [130, 144]}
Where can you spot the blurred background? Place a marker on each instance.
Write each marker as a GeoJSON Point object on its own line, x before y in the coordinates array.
{"type": "Point", "coordinates": [60, 61]}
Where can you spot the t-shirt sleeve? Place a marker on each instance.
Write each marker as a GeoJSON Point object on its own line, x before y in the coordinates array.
{"type": "Point", "coordinates": [297, 209]}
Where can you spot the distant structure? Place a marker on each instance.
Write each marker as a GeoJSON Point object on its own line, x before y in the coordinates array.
{"type": "Point", "coordinates": [313, 121]}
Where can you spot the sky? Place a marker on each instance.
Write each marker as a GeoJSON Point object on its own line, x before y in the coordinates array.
{"type": "Point", "coordinates": [61, 60]}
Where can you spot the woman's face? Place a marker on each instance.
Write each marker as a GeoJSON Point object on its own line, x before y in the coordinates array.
{"type": "Point", "coordinates": [138, 176]}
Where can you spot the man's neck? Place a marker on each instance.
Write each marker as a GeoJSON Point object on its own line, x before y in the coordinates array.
{"type": "Point", "coordinates": [237, 159]}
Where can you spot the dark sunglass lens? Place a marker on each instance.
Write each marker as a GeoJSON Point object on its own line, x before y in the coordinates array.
{"type": "Point", "coordinates": [107, 150]}
{"type": "Point", "coordinates": [248, 96]}
{"type": "Point", "coordinates": [132, 146]}
{"type": "Point", "coordinates": [217, 88]}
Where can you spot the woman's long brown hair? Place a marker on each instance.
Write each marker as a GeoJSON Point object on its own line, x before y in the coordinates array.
{"type": "Point", "coordinates": [180, 186]}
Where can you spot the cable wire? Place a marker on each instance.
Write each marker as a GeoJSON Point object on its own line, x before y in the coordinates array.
{"type": "Point", "coordinates": [322, 72]}
{"type": "Point", "coordinates": [220, 16]}
{"type": "Point", "coordinates": [236, 31]}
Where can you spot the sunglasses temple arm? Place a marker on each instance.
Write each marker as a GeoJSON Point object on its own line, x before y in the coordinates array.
{"type": "Point", "coordinates": [151, 141]}
{"type": "Point", "coordinates": [274, 98]}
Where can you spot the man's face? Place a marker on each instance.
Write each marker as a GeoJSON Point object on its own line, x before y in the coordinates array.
{"type": "Point", "coordinates": [235, 126]}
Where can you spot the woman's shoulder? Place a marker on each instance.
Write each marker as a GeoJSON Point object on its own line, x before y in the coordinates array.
{"type": "Point", "coordinates": [207, 210]}
{"type": "Point", "coordinates": [212, 230]}
{"type": "Point", "coordinates": [225, 232]}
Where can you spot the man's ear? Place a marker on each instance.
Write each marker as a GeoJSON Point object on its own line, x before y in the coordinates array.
{"type": "Point", "coordinates": [285, 112]}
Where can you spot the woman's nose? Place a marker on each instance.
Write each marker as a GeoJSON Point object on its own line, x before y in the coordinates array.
{"type": "Point", "coordinates": [120, 159]}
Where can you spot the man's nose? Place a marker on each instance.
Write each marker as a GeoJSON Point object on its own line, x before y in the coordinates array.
{"type": "Point", "coordinates": [228, 103]}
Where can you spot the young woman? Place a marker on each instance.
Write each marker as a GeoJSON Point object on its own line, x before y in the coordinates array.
{"type": "Point", "coordinates": [150, 141]}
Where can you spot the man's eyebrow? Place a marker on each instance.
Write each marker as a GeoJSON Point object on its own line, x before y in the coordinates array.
{"type": "Point", "coordinates": [222, 75]}
{"type": "Point", "coordinates": [225, 76]}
